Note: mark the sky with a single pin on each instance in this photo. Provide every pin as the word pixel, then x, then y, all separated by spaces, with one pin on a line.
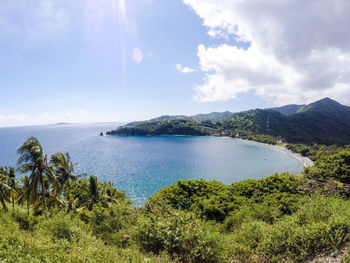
pixel 123 60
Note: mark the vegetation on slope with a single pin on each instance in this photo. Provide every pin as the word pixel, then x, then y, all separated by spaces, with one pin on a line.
pixel 288 109
pixel 172 127
pixel 52 214
pixel 325 121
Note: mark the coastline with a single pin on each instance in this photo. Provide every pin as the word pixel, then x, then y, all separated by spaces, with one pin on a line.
pixel 305 160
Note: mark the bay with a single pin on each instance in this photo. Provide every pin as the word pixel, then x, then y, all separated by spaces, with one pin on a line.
pixel 141 165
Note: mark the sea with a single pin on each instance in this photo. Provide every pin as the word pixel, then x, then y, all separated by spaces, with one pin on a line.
pixel 142 165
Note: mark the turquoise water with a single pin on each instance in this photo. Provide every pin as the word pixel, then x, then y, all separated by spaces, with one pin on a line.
pixel 141 165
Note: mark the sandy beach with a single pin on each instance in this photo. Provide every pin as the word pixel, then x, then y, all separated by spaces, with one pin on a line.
pixel 305 160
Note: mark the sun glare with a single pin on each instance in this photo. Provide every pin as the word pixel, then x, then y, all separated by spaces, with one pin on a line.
pixel 122 8
pixel 109 31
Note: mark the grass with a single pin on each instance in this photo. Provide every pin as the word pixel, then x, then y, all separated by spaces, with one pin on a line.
pixel 61 238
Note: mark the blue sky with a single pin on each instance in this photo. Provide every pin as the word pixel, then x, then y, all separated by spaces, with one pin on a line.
pixel 122 60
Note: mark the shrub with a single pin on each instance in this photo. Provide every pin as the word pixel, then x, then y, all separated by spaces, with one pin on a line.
pixel 288 240
pixel 321 225
pixel 248 213
pixel 215 201
pixel 336 166
pixel 180 234
pixel 243 243
pixel 114 225
pixel 62 227
pixel 25 221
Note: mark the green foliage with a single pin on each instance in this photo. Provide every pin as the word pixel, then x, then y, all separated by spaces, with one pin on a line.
pixel 4 189
pixel 64 168
pixel 243 244
pixel 324 121
pixel 336 166
pixel 61 239
pixel 61 227
pixel 316 151
pixel 215 201
pixel 346 258
pixel 304 150
pixel 250 213
pixel 170 127
pixel 320 225
pixel 33 160
pixel 180 234
pixel 25 221
pixel 85 193
pixel 114 225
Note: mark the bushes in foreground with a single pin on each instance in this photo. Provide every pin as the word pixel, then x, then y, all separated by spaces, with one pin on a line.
pixel 336 166
pixel 215 201
pixel 61 238
pixel 259 228
pixel 182 235
pixel 320 225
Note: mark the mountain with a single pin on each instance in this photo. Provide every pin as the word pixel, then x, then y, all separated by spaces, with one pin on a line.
pixel 213 116
pixel 326 105
pixel 288 109
pixel 324 121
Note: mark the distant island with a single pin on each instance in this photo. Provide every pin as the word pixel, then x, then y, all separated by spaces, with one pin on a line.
pixel 66 123
pixel 61 123
pixel 325 121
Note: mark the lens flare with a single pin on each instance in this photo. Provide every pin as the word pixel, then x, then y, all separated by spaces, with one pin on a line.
pixel 137 55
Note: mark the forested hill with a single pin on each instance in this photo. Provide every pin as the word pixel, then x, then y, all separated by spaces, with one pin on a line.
pixel 324 121
pixel 213 116
pixel 288 109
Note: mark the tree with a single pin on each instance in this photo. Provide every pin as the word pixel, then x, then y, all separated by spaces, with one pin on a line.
pixel 93 192
pixel 12 182
pixel 64 168
pixel 96 192
pixel 336 166
pixel 32 160
pixel 4 189
pixel 25 193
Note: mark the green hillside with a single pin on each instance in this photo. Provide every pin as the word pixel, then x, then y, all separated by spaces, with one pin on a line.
pixel 288 109
pixel 324 121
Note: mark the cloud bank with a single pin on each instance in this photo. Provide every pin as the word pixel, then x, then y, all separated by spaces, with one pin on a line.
pixel 298 51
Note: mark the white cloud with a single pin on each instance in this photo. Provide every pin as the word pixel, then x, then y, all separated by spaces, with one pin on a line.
pixel 32 20
pixel 182 69
pixel 299 50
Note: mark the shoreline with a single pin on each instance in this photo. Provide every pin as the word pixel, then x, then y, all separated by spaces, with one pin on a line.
pixel 307 162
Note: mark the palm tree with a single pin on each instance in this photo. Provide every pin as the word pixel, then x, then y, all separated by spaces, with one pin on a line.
pixel 103 193
pixel 64 168
pixel 25 193
pixel 110 194
pixel 4 189
pixel 12 182
pixel 93 192
pixel 33 160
